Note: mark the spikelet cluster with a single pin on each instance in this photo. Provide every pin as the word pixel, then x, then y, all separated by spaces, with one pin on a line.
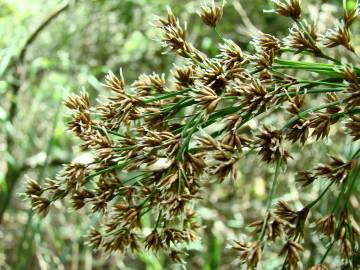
pixel 152 147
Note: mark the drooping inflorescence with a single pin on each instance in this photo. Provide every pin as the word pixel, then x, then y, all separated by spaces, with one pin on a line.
pixel 155 141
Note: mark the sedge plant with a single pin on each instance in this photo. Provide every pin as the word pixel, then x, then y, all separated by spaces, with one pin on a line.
pixel 157 140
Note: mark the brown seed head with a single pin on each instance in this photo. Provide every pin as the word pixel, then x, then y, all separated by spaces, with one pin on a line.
pixel 303 39
pixel 211 14
pixel 288 8
pixel 154 241
pixel 271 146
pixel 338 36
pixel 291 250
pixel 250 253
pixel 40 205
pixel 115 83
pixel 353 126
pixel 33 188
pixel 231 54
pixel 327 225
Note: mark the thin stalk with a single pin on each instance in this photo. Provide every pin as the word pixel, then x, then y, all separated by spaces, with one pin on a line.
pixel 158 220
pixel 217 32
pixel 321 83
pixel 351 186
pixel 111 168
pixel 310 205
pixel 167 95
pixel 270 198
pixel 311 91
pixel 327 251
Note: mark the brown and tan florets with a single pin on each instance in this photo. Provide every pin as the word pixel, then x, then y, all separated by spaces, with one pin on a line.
pixel 158 143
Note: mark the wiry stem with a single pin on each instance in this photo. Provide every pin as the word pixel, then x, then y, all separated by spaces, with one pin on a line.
pixel 270 198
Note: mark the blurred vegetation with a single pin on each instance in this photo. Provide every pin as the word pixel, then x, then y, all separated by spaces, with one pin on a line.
pixel 49 49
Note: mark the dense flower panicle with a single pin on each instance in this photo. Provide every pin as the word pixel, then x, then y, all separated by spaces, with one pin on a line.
pixel 264 60
pixel 207 98
pixel 78 102
pixel 157 142
pixel 94 238
pixel 214 75
pixel 299 131
pixel 40 205
pixel 174 35
pixel 284 212
pixel 145 84
pixel 353 88
pixel 33 188
pixel 346 237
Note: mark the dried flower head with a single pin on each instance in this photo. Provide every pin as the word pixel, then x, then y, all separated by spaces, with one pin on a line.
pixel 211 13
pixel 271 146
pixel 338 36
pixel 265 43
pixel 40 205
pixel 292 252
pixel 157 143
pixel 303 38
pixel 327 224
pixel 274 227
pixel 337 170
pixel 288 8
pixel 353 126
pixel 250 253
pixel 305 178
pixel 33 188
pixel 231 54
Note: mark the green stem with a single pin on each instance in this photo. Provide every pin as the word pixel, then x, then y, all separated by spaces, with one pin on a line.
pixel 218 34
pixel 158 220
pixel 111 168
pixel 327 251
pixel 321 83
pixel 311 91
pixel 351 186
pixel 167 95
pixel 270 198
pixel 320 196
